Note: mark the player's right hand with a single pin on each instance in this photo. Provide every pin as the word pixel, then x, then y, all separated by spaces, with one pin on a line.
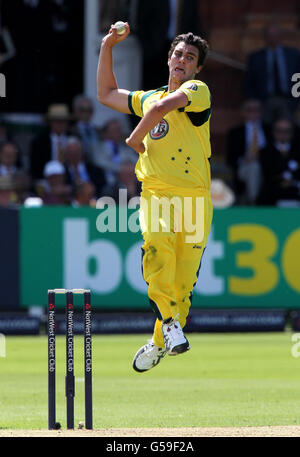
pixel 112 38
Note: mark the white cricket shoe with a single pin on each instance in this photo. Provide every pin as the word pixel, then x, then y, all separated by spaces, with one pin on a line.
pixel 147 357
pixel 175 341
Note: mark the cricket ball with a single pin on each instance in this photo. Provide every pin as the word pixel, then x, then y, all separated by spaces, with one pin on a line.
pixel 120 26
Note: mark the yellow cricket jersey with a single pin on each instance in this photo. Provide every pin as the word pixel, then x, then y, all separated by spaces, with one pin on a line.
pixel 178 148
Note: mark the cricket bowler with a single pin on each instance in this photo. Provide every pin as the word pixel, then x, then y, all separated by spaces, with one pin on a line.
pixel 173 143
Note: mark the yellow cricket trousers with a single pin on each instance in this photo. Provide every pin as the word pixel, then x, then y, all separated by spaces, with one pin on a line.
pixel 175 230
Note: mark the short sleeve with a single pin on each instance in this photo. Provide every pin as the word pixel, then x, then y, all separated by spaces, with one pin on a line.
pixel 135 102
pixel 198 96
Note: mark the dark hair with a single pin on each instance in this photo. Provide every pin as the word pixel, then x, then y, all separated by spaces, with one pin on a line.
pixel 190 38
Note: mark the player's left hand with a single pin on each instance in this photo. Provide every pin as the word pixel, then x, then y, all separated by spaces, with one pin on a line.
pixel 139 147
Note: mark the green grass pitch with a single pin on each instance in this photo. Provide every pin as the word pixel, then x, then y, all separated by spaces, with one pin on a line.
pixel 224 380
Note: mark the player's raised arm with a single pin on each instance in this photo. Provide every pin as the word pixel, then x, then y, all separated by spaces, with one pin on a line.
pixel 107 89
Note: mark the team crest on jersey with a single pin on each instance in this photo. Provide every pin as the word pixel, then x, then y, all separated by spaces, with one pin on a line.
pixel 160 130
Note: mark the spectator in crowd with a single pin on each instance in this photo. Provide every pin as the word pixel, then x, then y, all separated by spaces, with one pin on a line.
pixel 222 196
pixel 269 74
pixel 8 195
pixel 280 163
pixel 113 151
pixel 84 195
pixel 84 127
pixel 77 170
pixel 49 145
pixel 53 189
pixel 9 166
pixel 126 179
pixel 243 145
pixel 8 159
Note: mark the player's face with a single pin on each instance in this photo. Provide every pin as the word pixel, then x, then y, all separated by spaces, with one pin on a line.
pixel 183 64
pixel 9 155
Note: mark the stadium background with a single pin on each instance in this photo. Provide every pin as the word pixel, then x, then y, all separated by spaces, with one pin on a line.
pixel 250 273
